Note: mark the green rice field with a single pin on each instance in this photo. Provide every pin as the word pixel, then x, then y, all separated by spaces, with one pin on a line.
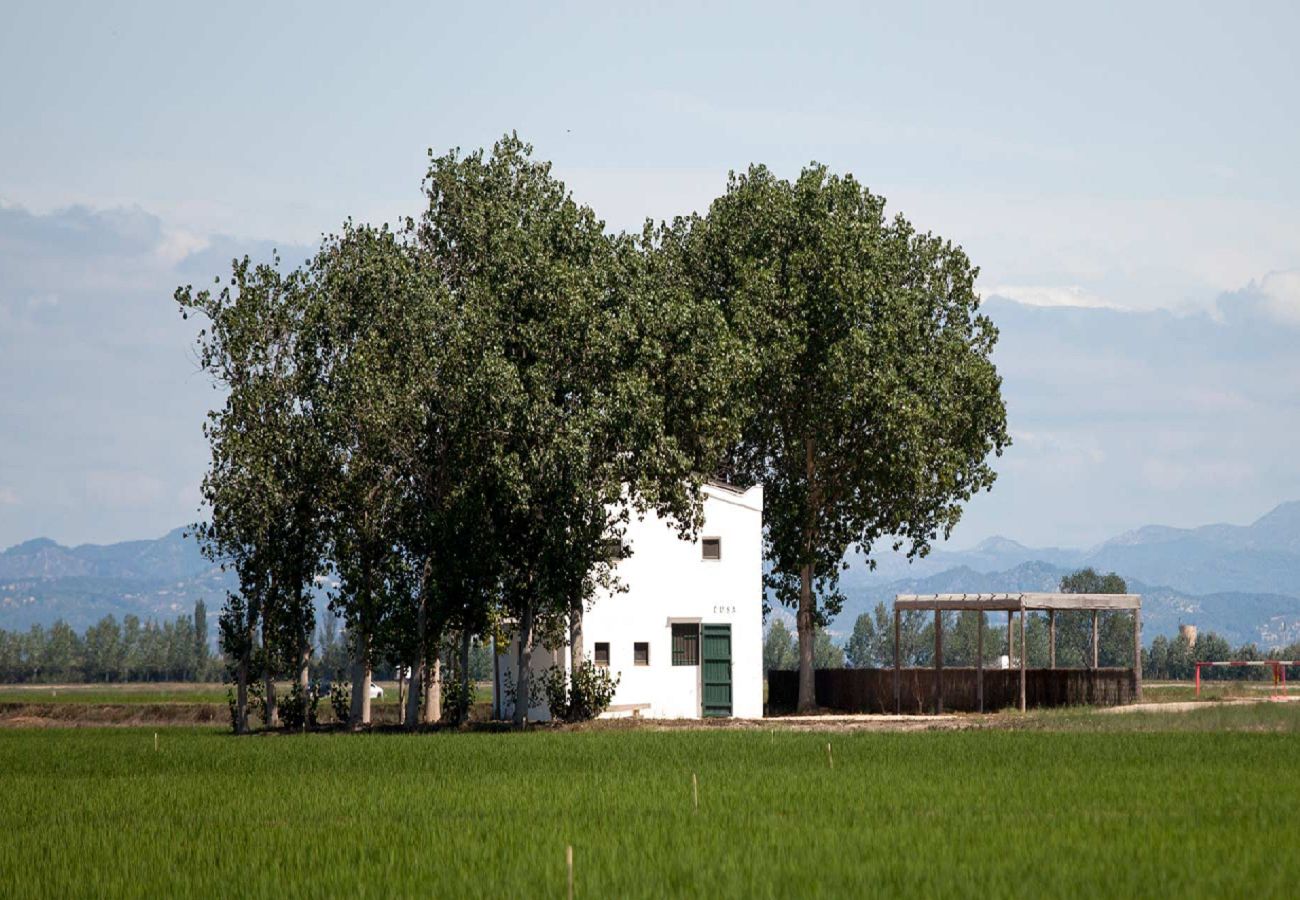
pixel 1076 804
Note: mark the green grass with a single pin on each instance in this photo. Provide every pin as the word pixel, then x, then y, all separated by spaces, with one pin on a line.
pixel 164 692
pixel 1057 811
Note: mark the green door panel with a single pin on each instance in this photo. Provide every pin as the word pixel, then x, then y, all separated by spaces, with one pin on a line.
pixel 715 661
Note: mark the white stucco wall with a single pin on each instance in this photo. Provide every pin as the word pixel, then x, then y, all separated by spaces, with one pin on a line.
pixel 667 581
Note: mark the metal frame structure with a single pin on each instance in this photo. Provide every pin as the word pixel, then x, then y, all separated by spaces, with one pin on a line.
pixel 1279 667
pixel 1011 603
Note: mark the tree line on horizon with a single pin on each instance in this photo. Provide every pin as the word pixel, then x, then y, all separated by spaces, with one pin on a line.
pixel 111 652
pixel 457 419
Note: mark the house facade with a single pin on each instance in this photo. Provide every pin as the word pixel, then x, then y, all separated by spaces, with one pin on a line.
pixel 685 638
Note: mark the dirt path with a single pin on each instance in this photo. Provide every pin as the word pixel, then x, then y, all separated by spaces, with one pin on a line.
pixel 1189 705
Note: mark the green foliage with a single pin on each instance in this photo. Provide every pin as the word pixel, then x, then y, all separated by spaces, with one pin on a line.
pixel 298 710
pixel 1088 581
pixel 870 401
pixel 457 697
pixel 1155 799
pixel 109 652
pixel 826 653
pixel 581 698
pixel 779 650
pixel 341 701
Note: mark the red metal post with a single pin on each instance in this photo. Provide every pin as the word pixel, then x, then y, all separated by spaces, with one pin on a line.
pixel 1198 681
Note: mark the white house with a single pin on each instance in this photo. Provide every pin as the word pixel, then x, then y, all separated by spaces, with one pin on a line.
pixel 686 637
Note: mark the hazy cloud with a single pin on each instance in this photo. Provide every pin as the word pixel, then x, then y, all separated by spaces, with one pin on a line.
pixel 103 402
pixel 1052 295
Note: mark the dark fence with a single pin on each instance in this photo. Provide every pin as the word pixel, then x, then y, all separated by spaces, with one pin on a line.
pixel 872 690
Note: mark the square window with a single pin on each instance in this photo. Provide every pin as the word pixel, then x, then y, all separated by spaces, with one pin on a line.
pixel 686 644
pixel 602 653
pixel 712 548
pixel 641 653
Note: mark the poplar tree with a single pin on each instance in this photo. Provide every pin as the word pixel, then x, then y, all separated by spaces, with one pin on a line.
pixel 595 418
pixel 872 405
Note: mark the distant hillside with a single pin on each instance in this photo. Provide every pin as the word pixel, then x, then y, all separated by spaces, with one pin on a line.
pixel 41 581
pixel 1263 557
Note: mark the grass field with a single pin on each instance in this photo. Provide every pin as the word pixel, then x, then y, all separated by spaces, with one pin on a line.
pixel 1071 804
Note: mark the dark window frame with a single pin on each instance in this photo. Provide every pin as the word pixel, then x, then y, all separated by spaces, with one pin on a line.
pixel 596 653
pixel 711 543
pixel 640 653
pixel 686 643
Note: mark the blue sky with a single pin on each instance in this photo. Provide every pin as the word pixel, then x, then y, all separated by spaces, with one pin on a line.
pixel 1124 177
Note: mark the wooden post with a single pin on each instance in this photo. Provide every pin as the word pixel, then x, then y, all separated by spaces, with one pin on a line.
pixel 1137 654
pixel 1010 647
pixel 898 664
pixel 1022 657
pixel 938 662
pixel 979 662
pixel 1051 639
pixel 1094 638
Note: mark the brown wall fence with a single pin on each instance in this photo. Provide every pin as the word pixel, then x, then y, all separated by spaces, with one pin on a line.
pixel 872 690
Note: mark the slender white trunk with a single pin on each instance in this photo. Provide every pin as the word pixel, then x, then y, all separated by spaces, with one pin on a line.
pixel 523 685
pixel 304 681
pixel 433 695
pixel 575 640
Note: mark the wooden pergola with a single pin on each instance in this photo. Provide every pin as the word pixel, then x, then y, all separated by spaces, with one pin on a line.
pixel 1010 604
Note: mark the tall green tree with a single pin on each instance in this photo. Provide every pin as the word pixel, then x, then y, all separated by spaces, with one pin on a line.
pixel 872 404
pixel 1074 628
pixel 367 291
pixel 595 414
pixel 263 485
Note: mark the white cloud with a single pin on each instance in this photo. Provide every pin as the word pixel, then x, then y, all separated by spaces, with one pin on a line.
pixel 1052 295
pixel 1281 295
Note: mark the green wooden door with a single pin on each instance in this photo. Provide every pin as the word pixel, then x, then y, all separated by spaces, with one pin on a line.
pixel 715 659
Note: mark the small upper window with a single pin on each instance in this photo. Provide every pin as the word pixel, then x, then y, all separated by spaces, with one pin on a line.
pixel 602 653
pixel 712 548
pixel 641 653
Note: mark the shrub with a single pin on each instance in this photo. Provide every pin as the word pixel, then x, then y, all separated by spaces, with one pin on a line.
pixel 457 698
pixel 298 710
pixel 341 701
pixel 583 697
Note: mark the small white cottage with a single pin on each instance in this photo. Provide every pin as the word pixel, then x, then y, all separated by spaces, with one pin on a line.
pixel 686 637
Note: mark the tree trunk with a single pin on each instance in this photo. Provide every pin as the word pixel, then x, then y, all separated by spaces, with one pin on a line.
pixel 433 695
pixel 806 618
pixel 271 714
pixel 420 676
pixel 241 701
pixel 576 656
pixel 464 674
pixel 805 621
pixel 304 681
pixel 523 683
pixel 360 711
pixel 401 695
pixel 268 687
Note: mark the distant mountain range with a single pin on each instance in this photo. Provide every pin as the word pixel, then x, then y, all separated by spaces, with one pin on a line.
pixel 41 581
pixel 1240 581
